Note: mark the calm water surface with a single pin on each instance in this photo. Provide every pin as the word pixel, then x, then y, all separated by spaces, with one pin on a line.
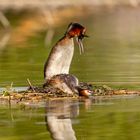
pixel 95 119
pixel 112 56
pixel 112 52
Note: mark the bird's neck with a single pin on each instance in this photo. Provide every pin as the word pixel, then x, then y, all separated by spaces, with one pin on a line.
pixel 60 58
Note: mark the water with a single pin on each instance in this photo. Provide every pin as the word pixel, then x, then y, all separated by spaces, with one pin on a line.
pixel 106 119
pixel 112 57
pixel 112 52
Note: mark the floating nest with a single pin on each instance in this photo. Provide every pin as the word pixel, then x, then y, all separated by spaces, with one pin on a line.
pixel 40 94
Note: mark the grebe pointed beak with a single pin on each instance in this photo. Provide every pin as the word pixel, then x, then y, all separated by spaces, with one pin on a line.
pixel 85 35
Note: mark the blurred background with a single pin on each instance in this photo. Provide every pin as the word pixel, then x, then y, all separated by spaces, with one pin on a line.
pixel 29 29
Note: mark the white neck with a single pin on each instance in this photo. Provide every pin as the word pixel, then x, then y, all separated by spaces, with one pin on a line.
pixel 59 60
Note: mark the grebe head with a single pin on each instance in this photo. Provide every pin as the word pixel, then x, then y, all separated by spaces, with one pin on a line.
pixel 85 92
pixel 78 31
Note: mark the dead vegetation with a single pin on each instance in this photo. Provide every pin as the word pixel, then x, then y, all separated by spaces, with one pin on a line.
pixel 35 95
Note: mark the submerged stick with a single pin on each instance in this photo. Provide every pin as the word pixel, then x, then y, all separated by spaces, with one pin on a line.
pixel 30 85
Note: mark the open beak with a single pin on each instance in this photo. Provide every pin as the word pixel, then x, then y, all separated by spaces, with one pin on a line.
pixel 80 43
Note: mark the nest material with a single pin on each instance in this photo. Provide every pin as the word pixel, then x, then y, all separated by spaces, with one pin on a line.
pixel 40 94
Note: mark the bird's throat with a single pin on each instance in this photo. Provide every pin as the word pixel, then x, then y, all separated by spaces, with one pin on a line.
pixel 60 58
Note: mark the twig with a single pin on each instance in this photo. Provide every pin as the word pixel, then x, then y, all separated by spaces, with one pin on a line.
pixel 9 101
pixel 6 35
pixel 11 86
pixel 30 85
pixel 5 22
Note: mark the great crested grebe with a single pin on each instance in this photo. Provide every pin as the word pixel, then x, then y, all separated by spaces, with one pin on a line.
pixel 56 69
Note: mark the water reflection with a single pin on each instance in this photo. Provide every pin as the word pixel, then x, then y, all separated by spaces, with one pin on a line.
pixel 96 118
pixel 58 118
pixel 4 38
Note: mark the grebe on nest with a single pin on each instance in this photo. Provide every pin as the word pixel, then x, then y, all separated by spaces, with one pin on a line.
pixel 56 69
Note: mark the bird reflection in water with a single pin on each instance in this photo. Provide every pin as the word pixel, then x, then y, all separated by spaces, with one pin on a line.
pixel 58 118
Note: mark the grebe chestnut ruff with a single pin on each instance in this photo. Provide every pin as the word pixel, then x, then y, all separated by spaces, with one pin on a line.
pixel 56 69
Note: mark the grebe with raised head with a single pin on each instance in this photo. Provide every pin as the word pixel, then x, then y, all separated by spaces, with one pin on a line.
pixel 56 69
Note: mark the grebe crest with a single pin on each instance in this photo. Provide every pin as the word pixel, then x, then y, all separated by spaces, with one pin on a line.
pixel 78 31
